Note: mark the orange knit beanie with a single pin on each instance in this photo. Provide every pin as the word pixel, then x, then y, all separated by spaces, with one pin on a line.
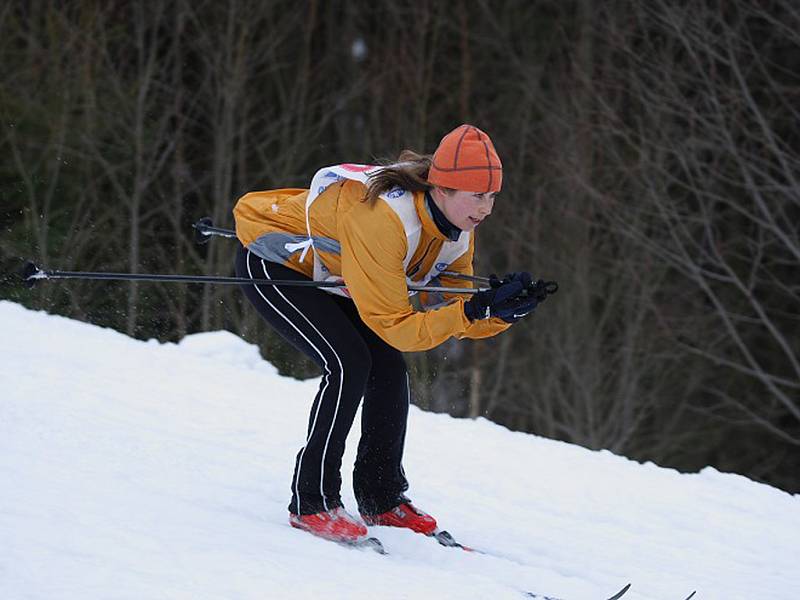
pixel 466 160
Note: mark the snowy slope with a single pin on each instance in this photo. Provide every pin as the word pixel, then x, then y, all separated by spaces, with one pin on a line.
pixel 141 470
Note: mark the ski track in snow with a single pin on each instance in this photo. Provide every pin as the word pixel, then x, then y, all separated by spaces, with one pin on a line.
pixel 138 470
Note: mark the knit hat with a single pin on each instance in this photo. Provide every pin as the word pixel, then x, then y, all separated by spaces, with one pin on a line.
pixel 466 160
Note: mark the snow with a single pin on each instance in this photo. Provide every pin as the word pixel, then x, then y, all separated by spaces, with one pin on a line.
pixel 133 470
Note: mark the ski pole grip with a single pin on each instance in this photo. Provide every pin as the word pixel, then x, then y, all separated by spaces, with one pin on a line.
pixel 541 289
pixel 31 274
pixel 201 234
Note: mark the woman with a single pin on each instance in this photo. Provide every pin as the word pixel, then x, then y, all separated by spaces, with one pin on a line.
pixel 377 229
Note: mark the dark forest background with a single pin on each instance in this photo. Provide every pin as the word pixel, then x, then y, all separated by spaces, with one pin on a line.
pixel 651 167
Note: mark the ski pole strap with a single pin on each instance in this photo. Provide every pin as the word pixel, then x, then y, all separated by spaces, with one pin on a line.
pixel 540 289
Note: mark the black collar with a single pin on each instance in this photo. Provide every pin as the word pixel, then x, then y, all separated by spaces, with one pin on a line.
pixel 450 231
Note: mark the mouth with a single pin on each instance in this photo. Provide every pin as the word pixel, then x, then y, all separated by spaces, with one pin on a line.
pixel 475 221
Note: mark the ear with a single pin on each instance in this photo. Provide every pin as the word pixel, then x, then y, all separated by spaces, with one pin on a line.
pixel 438 194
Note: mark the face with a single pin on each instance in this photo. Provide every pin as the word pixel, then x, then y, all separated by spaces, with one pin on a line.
pixel 465 210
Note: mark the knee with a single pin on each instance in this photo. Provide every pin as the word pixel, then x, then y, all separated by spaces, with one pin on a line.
pixel 353 364
pixel 389 366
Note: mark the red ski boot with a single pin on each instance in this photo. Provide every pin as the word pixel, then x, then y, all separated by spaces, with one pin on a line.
pixel 335 525
pixel 404 515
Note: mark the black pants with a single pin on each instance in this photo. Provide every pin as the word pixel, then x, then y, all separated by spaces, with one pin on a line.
pixel 356 363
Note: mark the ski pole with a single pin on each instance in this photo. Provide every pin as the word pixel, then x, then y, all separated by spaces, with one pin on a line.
pixel 31 274
pixel 204 229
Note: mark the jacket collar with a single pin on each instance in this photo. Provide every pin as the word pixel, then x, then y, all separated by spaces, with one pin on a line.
pixel 433 220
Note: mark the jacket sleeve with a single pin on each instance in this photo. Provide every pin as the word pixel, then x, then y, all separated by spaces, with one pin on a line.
pixel 373 247
pixel 477 329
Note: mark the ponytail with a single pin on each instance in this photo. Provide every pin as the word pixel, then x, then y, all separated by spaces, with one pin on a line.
pixel 409 172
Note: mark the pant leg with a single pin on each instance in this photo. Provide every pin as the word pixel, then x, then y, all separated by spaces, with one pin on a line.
pixel 314 323
pixel 378 478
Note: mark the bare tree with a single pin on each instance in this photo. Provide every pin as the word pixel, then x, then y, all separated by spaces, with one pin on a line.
pixel 718 192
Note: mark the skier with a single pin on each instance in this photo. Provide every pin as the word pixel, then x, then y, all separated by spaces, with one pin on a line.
pixel 377 229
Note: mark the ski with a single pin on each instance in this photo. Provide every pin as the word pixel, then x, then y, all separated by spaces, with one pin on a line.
pixel 446 539
pixel 616 596
pixel 370 543
pixel 365 543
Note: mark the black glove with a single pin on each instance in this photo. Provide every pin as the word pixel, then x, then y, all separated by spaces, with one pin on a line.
pixel 507 299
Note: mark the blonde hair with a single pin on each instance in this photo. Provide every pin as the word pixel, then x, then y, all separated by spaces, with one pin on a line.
pixel 409 172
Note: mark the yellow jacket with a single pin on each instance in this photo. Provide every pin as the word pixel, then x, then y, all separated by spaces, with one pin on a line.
pixel 366 245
